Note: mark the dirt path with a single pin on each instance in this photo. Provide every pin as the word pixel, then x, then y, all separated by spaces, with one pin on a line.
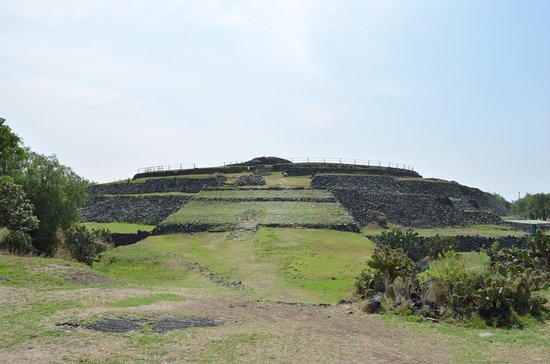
pixel 249 330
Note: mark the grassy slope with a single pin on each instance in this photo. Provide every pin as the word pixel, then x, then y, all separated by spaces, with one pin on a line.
pixel 46 273
pixel 276 179
pixel 118 227
pixel 221 213
pixel 233 194
pixel 288 264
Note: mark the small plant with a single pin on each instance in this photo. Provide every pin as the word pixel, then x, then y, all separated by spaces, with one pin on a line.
pixel 84 245
pixel 17 242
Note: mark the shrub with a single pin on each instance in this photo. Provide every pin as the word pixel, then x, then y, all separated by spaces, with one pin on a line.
pixel 391 263
pixel 407 240
pixel 17 242
pixel 518 260
pixel 84 245
pixel 436 245
pixel 500 297
pixel 385 265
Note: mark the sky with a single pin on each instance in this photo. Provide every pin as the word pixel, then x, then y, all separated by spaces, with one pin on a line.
pixel 459 89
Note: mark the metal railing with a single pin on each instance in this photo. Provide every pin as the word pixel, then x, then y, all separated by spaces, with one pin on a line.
pixel 171 167
pixel 353 161
pixel 231 163
pixel 361 162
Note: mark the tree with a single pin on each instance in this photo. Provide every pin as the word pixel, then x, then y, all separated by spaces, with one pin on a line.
pixel 12 154
pixel 537 205
pixel 16 211
pixel 56 192
pixel 502 201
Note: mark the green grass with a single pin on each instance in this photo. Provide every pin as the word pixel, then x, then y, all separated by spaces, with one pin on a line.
pixel 22 322
pixel 153 194
pixel 472 261
pixel 118 227
pixel 308 265
pixel 481 230
pixel 284 213
pixel 45 273
pixel 487 230
pixel 157 261
pixel 259 193
pixel 469 347
pixel 146 300
pixel 276 179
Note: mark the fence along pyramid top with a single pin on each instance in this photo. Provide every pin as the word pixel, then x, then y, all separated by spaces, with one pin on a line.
pixel 292 166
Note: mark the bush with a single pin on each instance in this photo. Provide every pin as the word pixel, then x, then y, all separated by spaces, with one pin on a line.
pixel 438 244
pixel 518 260
pixel 387 265
pixel 406 240
pixel 17 242
pixel 84 245
pixel 500 296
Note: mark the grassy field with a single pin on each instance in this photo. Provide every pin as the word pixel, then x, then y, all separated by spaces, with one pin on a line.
pixel 224 213
pixel 259 193
pixel 169 277
pixel 118 227
pixel 487 230
pixel 306 265
pixel 154 194
pixel 276 179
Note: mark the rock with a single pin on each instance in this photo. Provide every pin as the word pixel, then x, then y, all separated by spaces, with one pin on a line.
pixel 250 180
pixel 374 306
pixel 422 265
pixel 380 219
pixel 344 302
pixel 485 334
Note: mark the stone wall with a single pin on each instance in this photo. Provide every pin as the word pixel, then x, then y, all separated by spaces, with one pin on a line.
pixel 308 169
pixel 194 171
pixel 469 243
pixel 176 184
pixel 149 210
pixel 411 202
pixel 120 239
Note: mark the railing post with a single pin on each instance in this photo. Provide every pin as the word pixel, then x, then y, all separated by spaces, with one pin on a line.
pixel 308 159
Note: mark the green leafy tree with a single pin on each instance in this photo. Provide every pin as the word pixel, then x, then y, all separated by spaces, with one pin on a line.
pixel 502 201
pixel 12 154
pixel 56 192
pixel 537 205
pixel 16 211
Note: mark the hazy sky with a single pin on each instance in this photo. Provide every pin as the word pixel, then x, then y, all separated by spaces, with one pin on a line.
pixel 459 89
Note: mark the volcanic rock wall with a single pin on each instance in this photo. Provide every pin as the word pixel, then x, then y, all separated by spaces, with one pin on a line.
pixel 307 169
pixel 149 210
pixel 412 202
pixel 154 185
